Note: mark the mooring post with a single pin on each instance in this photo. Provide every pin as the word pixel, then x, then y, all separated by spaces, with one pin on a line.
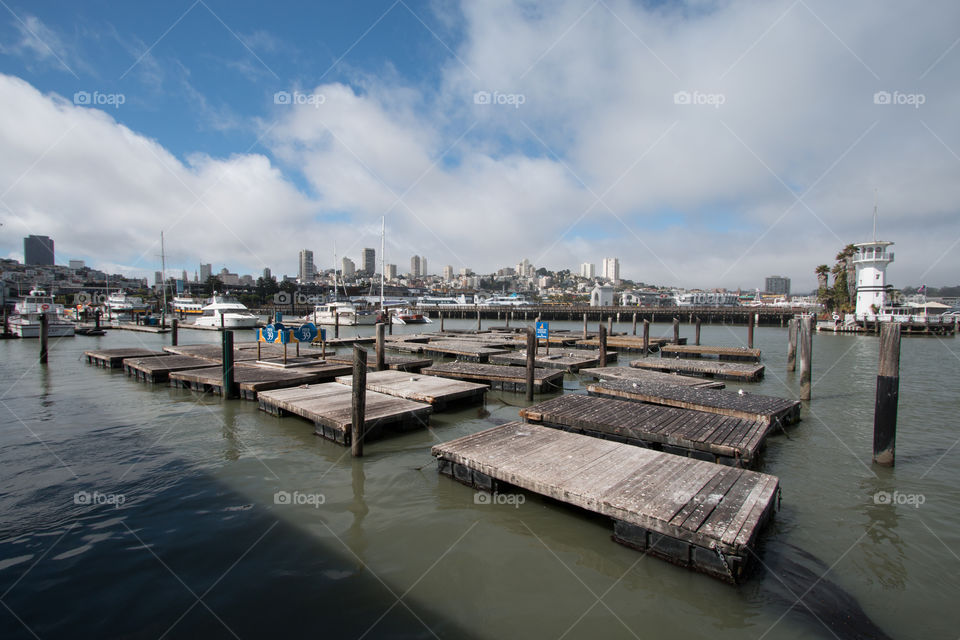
pixel 610 326
pixel 792 345
pixel 44 332
pixel 221 322
pixel 750 322
pixel 676 331
pixel 646 336
pixel 531 360
pixel 381 362
pixel 389 324
pixel 174 327
pixel 584 326
pixel 806 356
pixel 697 333
pixel 96 319
pixel 603 346
pixel 509 315
pixel 227 357
pixel 336 323
pixel 479 323
pixel 441 320
pixel 359 401
pixel 888 391
pixel 634 324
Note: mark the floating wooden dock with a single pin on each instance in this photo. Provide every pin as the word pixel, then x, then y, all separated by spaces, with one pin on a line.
pixel 695 434
pixel 242 351
pixel 499 376
pixel 328 406
pixel 699 351
pixel 692 513
pixel 393 362
pixel 628 343
pixel 743 372
pixel 750 406
pixel 630 373
pixel 113 358
pixel 251 379
pixel 571 360
pixel 435 391
pixel 159 368
pixel 464 350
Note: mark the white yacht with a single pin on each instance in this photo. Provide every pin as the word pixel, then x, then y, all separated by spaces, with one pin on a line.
pixel 228 312
pixel 25 323
pixel 512 300
pixel 346 314
pixel 119 302
pixel 187 305
pixel 438 301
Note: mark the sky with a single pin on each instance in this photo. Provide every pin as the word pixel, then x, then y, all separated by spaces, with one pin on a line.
pixel 704 144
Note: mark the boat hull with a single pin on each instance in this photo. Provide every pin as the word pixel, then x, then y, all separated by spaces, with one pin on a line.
pixel 32 329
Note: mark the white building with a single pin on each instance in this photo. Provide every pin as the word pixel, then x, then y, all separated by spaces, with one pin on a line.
pixel 588 270
pixel 448 273
pixel 601 296
pixel 347 267
pixel 391 272
pixel 415 269
pixel 870 261
pixel 611 270
pixel 423 266
pixel 525 269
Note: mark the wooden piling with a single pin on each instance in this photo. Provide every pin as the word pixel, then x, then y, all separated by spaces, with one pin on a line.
pixel 479 322
pixel 697 334
pixel 509 315
pixel 751 320
pixel 792 345
pixel 646 336
pixel 222 326
pixel 584 326
pixel 381 362
pixel 634 324
pixel 44 335
pixel 610 325
pixel 888 391
pixel 531 360
pixel 441 321
pixel 336 323
pixel 229 387
pixel 676 331
pixel 174 337
pixel 359 400
pixel 603 347
pixel 806 356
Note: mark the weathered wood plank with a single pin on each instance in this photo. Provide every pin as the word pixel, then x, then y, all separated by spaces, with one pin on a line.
pixel 698 351
pixel 633 373
pixel 113 358
pixel 434 390
pixel 741 372
pixel 499 376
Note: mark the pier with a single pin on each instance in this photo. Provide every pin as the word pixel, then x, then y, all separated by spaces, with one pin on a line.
pixel 693 513
pixel 497 376
pixel 741 372
pixel 749 406
pixel 695 434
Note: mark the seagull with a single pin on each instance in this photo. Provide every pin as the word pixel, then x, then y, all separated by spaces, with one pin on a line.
pixel 740 392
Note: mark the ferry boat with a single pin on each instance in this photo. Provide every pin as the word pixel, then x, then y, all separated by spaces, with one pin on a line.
pixel 408 316
pixel 512 300
pixel 25 323
pixel 187 305
pixel 346 314
pixel 228 312
pixel 438 301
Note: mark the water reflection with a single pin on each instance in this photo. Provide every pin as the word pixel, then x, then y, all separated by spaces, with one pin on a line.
pixel 356 538
pixel 884 555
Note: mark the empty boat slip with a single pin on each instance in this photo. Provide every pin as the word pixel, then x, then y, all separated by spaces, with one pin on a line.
pixel 705 436
pixel 696 514
pixel 328 406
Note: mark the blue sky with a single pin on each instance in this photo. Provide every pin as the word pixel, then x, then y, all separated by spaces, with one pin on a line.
pixel 706 144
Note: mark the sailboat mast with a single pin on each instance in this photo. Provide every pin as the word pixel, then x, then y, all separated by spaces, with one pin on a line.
pixel 163 274
pixel 875 215
pixel 383 259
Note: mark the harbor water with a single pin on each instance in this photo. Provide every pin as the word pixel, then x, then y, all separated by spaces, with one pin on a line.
pixel 142 511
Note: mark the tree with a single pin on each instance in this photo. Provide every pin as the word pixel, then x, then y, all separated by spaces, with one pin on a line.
pixel 212 285
pixel 823 276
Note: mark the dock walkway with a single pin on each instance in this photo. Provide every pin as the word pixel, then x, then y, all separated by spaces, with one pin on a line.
pixel 750 406
pixel 499 376
pixel 705 436
pixel 693 513
pixel 740 371
pixel 393 362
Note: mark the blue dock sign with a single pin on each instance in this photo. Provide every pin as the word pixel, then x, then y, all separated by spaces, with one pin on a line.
pixel 543 331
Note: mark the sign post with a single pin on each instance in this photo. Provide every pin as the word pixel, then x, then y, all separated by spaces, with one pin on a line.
pixel 543 333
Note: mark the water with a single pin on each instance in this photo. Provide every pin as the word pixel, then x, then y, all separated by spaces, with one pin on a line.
pixel 385 547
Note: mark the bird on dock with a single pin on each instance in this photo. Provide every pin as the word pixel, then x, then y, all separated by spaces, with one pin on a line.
pixel 741 392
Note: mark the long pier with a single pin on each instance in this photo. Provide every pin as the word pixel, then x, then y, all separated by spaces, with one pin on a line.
pixel 693 513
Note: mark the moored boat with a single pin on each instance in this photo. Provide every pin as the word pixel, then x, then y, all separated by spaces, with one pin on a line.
pixel 25 322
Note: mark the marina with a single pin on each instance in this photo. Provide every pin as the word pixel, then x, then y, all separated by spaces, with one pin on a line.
pixel 692 513
pixel 497 376
pixel 742 372
pixel 695 434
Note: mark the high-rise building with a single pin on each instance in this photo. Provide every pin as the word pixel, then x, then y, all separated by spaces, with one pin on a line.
pixel 588 270
pixel 415 267
pixel 267 274
pixel 183 275
pixel 448 273
pixel 391 272
pixel 37 250
pixel 157 278
pixel 368 262
pixel 423 266
pixel 307 271
pixel 525 269
pixel 347 268
pixel 206 270
pixel 611 270
pixel 778 285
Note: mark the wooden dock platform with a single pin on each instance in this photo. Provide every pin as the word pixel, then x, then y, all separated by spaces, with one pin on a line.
pixel 632 373
pixel 695 434
pixel 159 368
pixel 750 406
pixel 242 351
pixel 251 379
pixel 393 362
pixel 741 354
pixel 571 360
pixel 741 371
pixel 693 513
pixel 464 350
pixel 436 391
pixel 328 406
pixel 630 344
pixel 113 358
pixel 499 376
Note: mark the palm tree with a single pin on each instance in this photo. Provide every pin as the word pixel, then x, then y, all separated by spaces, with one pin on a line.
pixel 823 275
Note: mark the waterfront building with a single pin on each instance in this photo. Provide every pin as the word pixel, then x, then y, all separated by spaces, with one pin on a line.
pixel 588 270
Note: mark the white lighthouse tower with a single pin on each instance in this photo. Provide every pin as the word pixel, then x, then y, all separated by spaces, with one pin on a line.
pixel 870 261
